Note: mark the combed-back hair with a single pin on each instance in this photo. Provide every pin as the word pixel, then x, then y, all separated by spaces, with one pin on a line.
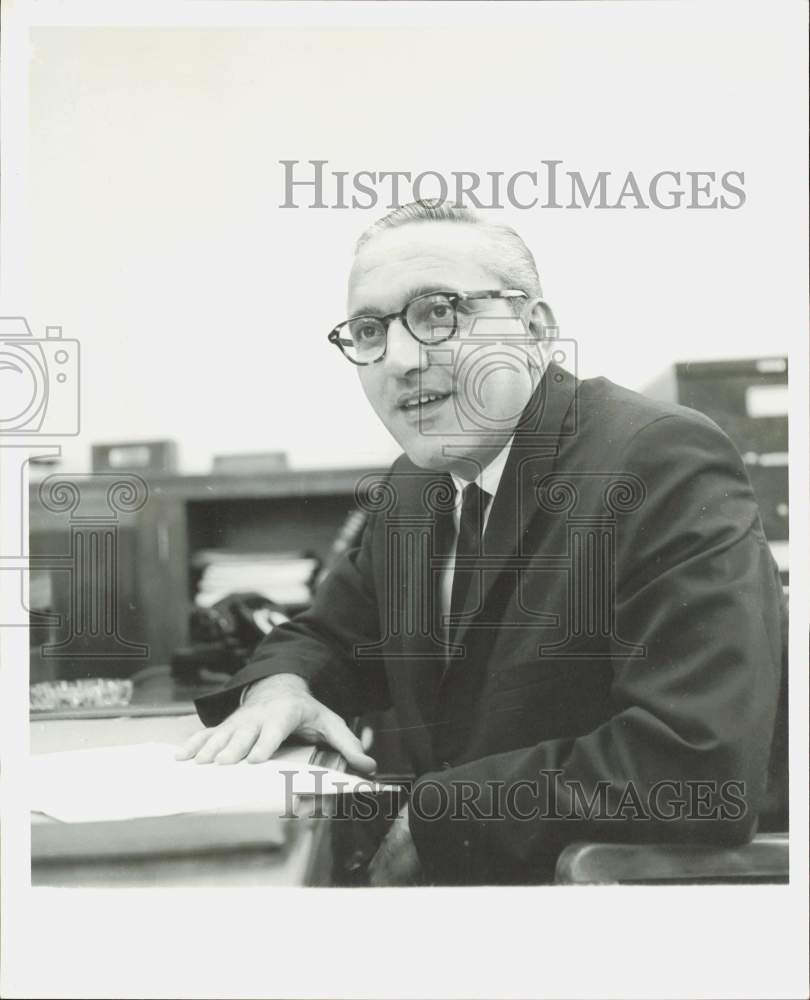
pixel 513 262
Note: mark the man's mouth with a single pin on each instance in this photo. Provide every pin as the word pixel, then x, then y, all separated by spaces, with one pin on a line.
pixel 422 403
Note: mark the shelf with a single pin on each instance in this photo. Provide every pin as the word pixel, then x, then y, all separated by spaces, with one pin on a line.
pixel 286 483
pixel 154 577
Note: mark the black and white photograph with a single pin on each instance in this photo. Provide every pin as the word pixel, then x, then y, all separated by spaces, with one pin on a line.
pixel 403 456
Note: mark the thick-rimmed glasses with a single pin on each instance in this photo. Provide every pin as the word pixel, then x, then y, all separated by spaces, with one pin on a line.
pixel 431 319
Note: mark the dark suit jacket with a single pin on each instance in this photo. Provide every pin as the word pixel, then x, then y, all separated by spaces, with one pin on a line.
pixel 620 657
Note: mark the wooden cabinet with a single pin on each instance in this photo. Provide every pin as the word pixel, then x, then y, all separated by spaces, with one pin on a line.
pixel 112 555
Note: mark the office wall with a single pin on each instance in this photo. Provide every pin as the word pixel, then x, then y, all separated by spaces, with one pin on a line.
pixel 202 307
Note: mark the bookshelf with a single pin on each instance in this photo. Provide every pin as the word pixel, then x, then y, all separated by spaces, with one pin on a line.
pixel 150 552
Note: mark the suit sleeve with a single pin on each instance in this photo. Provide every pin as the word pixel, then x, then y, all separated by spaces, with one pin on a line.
pixel 684 755
pixel 319 645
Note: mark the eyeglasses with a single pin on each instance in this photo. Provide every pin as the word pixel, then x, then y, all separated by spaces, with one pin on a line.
pixel 431 319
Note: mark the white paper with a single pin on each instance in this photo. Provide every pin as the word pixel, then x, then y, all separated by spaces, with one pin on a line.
pixel 766 400
pixel 124 782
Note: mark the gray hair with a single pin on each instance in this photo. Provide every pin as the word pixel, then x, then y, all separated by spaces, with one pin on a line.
pixel 513 264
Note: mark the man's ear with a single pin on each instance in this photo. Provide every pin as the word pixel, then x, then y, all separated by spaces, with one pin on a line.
pixel 540 320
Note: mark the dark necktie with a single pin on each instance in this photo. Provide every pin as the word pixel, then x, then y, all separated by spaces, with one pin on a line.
pixel 471 523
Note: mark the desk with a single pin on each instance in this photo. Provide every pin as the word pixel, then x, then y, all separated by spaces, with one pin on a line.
pixel 199 849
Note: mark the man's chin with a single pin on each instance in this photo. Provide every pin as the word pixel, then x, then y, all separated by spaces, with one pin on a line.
pixel 453 456
pixel 431 460
pixel 440 456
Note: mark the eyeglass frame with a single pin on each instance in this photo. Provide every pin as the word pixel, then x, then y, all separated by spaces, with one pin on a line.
pixel 453 297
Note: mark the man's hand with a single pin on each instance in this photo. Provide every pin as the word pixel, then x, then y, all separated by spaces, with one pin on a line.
pixel 273 709
pixel 396 861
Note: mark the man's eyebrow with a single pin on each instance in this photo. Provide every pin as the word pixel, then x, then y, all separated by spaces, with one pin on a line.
pixel 412 293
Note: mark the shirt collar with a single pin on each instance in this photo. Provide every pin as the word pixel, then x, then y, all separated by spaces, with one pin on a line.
pixel 489 477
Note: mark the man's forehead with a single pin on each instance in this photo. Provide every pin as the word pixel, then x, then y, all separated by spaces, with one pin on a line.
pixel 418 257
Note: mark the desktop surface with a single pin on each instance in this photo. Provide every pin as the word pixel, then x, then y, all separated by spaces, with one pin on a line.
pixel 194 849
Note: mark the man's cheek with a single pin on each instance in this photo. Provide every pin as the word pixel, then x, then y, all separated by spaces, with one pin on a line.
pixel 373 392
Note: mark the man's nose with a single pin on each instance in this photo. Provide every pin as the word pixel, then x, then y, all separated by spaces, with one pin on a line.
pixel 403 353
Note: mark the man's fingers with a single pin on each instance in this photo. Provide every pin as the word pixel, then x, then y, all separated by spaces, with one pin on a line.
pixel 367 738
pixel 271 737
pixel 215 742
pixel 338 735
pixel 258 740
pixel 238 745
pixel 192 744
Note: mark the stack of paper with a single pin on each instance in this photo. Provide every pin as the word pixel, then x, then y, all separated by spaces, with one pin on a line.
pixel 281 578
pixel 127 782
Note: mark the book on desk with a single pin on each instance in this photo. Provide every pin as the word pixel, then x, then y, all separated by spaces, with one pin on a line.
pixel 245 845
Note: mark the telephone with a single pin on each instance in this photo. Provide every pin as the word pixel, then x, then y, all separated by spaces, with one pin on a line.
pixel 224 635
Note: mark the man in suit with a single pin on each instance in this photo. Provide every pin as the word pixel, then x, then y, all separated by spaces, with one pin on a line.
pixel 563 588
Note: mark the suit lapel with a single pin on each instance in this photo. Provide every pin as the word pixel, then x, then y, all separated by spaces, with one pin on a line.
pixel 417 539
